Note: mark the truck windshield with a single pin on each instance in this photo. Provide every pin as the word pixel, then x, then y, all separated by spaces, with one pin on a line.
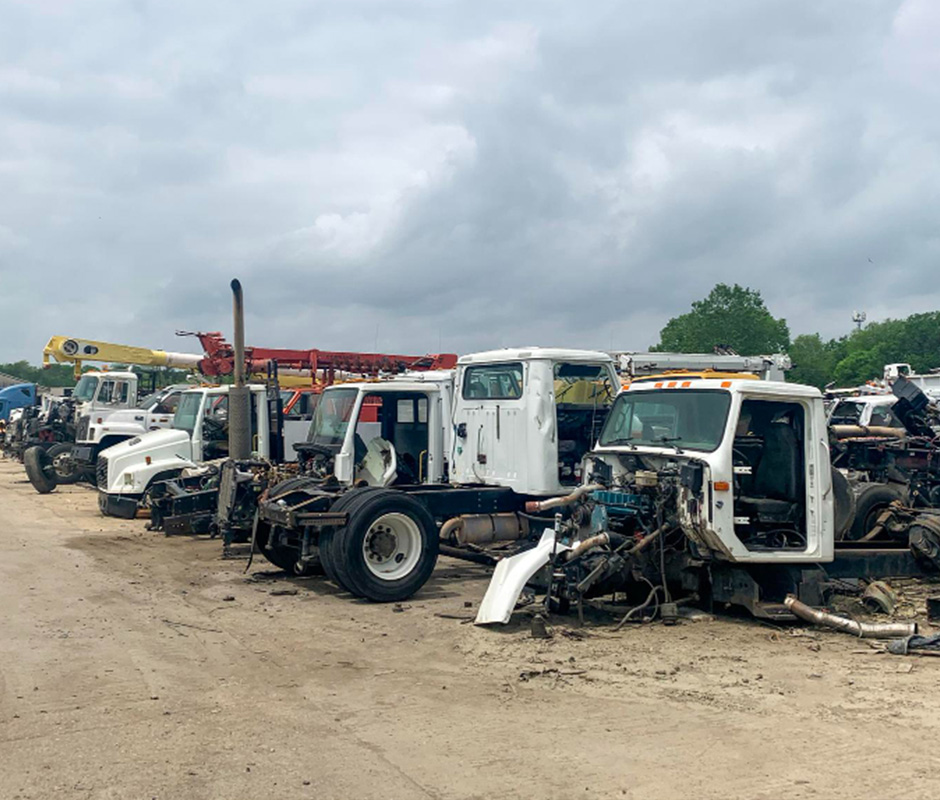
pixel 332 416
pixel 188 410
pixel 85 388
pixel 692 419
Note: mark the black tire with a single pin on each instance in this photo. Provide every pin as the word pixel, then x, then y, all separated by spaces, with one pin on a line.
pixel 331 547
pixel 872 499
pixel 39 470
pixel 388 519
pixel 284 558
pixel 844 508
pixel 63 477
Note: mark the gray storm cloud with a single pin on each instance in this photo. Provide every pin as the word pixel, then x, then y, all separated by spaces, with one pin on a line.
pixel 426 175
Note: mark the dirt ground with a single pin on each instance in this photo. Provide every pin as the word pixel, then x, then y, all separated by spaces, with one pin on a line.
pixel 138 666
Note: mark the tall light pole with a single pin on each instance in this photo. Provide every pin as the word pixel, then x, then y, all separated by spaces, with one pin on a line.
pixel 859 317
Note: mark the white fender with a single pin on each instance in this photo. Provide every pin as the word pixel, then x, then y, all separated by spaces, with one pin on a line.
pixel 510 577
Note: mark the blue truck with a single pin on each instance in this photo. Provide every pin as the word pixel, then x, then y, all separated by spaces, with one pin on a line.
pixel 16 396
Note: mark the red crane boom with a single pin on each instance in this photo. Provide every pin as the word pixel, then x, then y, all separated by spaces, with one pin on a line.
pixel 323 364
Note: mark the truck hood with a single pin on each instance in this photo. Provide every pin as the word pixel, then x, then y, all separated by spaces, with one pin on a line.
pixel 156 444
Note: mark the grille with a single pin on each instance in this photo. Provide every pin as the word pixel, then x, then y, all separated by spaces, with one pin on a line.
pixel 101 472
pixel 82 434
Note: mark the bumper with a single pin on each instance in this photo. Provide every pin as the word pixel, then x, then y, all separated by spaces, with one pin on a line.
pixel 118 505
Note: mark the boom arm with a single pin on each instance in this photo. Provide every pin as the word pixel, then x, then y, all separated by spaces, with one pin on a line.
pixel 69 350
pixel 220 360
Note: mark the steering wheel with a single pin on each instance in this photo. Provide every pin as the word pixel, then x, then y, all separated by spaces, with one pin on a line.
pixel 213 428
pixel 738 459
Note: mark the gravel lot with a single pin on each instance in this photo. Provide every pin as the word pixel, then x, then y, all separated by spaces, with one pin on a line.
pixel 138 666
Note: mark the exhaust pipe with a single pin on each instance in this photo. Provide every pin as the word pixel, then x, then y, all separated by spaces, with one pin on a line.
pixel 864 630
pixel 239 405
pixel 534 506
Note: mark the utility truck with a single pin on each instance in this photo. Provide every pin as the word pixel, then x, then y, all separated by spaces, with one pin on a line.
pixel 718 491
pixel 198 433
pixel 451 459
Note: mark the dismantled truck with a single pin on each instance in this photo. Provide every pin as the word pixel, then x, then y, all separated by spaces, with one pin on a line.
pixel 719 491
pixel 198 433
pixel 447 465
pixel 105 411
pixel 888 464
pixel 188 503
pixel 106 407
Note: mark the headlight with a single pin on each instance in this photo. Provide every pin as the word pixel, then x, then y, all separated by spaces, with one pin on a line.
pixel 128 479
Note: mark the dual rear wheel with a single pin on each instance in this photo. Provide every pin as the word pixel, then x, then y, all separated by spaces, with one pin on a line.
pixel 387 549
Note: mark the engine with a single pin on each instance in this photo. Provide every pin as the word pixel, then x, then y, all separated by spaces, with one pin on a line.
pixel 628 533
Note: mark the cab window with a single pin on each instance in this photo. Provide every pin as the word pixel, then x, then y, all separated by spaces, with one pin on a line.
pixel 493 382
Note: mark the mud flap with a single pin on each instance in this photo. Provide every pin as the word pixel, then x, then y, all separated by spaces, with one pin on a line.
pixel 510 577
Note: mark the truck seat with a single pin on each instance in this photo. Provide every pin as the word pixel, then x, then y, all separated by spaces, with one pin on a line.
pixel 777 485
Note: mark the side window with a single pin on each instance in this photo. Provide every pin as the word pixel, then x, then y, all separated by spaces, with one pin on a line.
pixel 406 411
pixel 106 393
pixel 220 407
pixel 583 385
pixel 168 405
pixel 423 410
pixel 493 382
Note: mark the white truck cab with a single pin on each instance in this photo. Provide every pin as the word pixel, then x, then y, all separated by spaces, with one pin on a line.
pixel 198 433
pixel 520 419
pixel 747 463
pixel 113 412
pixel 524 417
pixel 383 432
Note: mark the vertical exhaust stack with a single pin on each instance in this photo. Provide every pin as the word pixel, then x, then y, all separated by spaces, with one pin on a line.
pixel 239 406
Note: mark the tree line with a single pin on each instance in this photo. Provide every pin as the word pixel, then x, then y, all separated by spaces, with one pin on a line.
pixel 63 375
pixel 736 317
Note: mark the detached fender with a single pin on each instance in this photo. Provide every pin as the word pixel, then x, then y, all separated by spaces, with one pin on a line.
pixel 510 577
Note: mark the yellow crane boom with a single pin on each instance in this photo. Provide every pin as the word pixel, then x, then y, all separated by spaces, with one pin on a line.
pixel 69 350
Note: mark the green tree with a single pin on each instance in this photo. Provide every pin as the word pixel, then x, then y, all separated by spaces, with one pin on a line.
pixel 733 316
pixel 55 375
pixel 863 354
pixel 813 360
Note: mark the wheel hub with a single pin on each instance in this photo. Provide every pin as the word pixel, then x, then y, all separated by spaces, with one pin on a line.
pixel 381 543
pixel 63 464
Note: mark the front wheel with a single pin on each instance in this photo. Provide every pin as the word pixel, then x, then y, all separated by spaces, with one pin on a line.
pixel 388 548
pixel 39 469
pixel 63 465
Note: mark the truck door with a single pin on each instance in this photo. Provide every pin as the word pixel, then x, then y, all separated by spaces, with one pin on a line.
pixel 780 477
pixel 490 423
pixel 392 438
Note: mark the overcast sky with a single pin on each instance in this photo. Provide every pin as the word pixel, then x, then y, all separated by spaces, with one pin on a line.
pixel 432 175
